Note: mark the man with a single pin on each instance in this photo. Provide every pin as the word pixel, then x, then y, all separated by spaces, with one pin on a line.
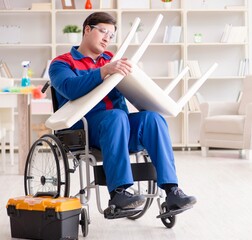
pixel 111 128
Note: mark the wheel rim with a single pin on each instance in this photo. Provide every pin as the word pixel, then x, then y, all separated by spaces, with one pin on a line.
pixel 42 172
pixel 63 164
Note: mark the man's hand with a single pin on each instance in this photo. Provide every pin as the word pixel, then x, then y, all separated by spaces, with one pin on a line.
pixel 122 66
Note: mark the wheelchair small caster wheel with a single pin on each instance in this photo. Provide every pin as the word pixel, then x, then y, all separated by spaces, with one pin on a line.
pixel 168 221
pixel 84 222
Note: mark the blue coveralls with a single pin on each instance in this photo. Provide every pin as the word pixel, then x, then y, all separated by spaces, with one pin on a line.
pixel 111 127
pixel 116 133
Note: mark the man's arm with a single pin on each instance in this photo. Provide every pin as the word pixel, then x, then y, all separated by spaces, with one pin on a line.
pixel 71 85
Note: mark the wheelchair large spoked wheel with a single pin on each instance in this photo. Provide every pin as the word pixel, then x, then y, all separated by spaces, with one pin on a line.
pixel 145 187
pixel 46 168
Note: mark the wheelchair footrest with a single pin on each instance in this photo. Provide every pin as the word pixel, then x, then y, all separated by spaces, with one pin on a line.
pixel 112 212
pixel 173 212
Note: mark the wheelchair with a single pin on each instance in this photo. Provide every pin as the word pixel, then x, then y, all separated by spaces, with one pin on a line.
pixel 54 157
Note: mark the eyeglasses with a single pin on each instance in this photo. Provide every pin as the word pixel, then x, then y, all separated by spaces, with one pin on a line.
pixel 104 31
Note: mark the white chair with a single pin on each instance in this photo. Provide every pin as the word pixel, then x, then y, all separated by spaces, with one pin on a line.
pixel 137 87
pixel 228 124
pixel 7 125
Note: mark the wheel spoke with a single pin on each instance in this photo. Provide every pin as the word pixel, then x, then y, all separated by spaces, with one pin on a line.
pixel 47 167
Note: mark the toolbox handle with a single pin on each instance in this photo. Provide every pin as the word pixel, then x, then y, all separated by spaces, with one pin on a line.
pixel 47 194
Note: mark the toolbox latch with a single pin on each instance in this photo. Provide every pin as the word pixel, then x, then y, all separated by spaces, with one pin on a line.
pixel 50 213
pixel 12 211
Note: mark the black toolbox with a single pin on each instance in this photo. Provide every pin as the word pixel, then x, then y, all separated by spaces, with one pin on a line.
pixel 44 217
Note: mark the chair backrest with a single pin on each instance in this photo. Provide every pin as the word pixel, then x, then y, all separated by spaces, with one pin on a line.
pixel 246 95
pixel 53 94
pixel 54 100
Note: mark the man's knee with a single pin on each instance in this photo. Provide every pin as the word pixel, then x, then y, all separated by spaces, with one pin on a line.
pixel 154 117
pixel 116 117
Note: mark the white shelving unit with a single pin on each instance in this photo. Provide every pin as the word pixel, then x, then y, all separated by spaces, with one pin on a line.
pixel 209 18
pixel 42 39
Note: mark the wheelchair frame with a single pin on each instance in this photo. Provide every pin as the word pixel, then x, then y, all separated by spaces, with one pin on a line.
pixel 56 150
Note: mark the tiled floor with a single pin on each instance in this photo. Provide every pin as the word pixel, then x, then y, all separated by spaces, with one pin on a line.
pixel 222 184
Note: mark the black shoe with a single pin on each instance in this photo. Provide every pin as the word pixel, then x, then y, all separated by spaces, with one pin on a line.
pixel 125 200
pixel 177 199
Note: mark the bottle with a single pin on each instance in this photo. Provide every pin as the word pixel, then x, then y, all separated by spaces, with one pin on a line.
pixel 88 4
pixel 25 78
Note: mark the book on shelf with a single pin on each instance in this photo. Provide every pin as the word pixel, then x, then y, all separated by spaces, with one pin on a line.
pixel 4 70
pixel 234 34
pixel 199 97
pixel 194 104
pixel 174 68
pixel 239 96
pixel 172 34
pixel 5 4
pixel 194 67
pixel 181 65
pixel 243 67
pixel 41 6
pixel 191 106
pixel 225 33
pixel 106 4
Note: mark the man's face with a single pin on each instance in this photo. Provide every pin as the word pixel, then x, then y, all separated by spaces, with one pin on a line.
pixel 99 36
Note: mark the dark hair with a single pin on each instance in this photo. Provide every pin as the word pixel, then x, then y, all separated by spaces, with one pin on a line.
pixel 98 17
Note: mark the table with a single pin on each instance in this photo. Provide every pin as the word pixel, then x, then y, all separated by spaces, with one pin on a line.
pixel 20 101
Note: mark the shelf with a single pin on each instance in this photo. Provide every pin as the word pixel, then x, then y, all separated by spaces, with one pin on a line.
pixel 63 11
pixel 216 44
pixel 157 10
pixel 26 45
pixel 48 41
pixel 11 11
pixel 216 10
pixel 220 77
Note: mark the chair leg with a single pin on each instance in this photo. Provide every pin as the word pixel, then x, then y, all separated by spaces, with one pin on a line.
pixel 204 151
pixel 242 153
pixel 248 154
pixel 3 152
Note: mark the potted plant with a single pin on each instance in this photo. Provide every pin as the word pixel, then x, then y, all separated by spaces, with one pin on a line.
pixel 167 3
pixel 72 32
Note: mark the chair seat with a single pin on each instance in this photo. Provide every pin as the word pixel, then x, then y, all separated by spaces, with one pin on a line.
pixel 232 124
